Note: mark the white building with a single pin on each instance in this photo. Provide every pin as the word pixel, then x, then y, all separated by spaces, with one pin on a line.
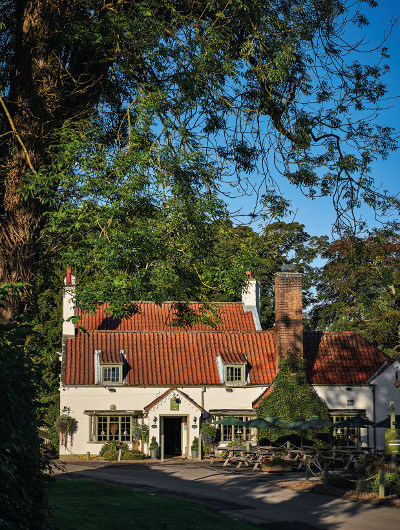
pixel 142 370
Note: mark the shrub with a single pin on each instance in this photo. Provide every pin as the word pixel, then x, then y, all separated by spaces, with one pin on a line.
pixel 392 483
pixel 195 444
pixel 112 446
pixel 133 455
pixel 276 461
pixel 236 443
pixel 153 444
pixel 22 480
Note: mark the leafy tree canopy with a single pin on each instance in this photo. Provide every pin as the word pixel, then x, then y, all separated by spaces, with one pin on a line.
pixel 239 248
pixel 359 288
pixel 123 125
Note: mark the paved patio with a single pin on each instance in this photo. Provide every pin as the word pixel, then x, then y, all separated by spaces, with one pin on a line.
pixel 240 494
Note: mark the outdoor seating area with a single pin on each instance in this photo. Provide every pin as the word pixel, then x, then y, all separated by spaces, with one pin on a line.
pixel 290 457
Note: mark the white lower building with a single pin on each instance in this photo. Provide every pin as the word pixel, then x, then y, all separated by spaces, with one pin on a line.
pixel 142 370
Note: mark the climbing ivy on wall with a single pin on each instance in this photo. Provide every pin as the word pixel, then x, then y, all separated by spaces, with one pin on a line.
pixel 293 398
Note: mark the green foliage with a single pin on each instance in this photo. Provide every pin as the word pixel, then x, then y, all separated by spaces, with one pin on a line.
pixel 236 443
pixel 22 480
pixel 153 444
pixel 195 444
pixel 208 434
pixel 238 249
pixel 140 432
pixel 292 398
pixel 134 155
pixel 112 446
pixel 276 461
pixel 110 451
pixel 133 454
pixel 392 483
pixel 359 288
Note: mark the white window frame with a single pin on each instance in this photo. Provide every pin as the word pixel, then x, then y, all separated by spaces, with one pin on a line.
pixel 100 427
pixel 344 432
pixel 236 432
pixel 235 366
pixel 107 366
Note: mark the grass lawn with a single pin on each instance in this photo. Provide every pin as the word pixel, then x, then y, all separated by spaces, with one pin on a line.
pixel 79 504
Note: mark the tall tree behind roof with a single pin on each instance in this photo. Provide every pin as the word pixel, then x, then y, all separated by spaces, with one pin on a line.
pixel 359 288
pixel 121 123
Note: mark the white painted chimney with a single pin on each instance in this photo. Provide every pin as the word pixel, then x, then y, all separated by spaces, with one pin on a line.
pixel 68 330
pixel 251 299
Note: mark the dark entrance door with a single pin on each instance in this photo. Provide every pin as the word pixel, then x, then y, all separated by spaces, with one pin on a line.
pixel 172 437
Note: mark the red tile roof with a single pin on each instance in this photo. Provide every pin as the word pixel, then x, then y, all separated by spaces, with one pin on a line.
pixel 169 358
pixel 341 358
pixel 111 357
pixel 161 357
pixel 153 317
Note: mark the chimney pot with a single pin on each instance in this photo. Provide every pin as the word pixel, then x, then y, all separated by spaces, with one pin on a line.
pixel 68 278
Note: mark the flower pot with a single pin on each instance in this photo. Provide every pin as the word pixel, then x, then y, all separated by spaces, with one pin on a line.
pixel 195 453
pixel 154 453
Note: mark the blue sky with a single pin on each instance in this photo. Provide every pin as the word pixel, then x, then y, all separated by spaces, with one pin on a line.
pixel 318 215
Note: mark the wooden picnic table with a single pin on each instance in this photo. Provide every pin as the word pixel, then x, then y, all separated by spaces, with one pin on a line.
pixel 299 457
pixel 248 457
pixel 347 456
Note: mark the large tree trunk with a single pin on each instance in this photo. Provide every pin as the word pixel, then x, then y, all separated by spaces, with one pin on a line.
pixel 42 94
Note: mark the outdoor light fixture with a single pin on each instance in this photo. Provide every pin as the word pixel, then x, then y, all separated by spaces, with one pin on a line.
pixel 155 419
pixel 195 419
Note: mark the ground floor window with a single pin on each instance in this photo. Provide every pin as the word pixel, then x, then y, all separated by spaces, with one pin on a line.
pixel 345 434
pixel 227 433
pixel 107 427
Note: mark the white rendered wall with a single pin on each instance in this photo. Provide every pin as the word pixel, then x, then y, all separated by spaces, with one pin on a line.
pixel 385 392
pixel 336 397
pixel 80 398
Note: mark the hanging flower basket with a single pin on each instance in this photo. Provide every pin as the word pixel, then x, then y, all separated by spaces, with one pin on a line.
pixel 64 425
pixel 140 432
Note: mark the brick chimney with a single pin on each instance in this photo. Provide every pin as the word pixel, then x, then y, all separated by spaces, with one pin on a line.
pixel 288 312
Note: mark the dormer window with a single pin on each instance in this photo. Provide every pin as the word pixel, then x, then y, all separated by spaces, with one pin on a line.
pixel 111 374
pixel 235 374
